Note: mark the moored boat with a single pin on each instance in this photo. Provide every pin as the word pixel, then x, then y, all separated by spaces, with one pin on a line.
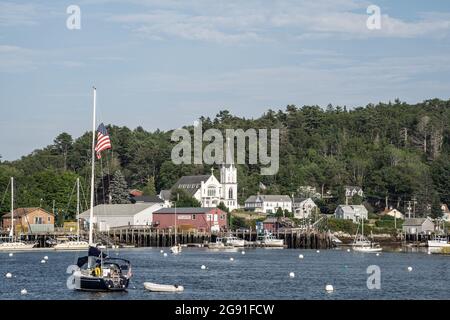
pixel 154 287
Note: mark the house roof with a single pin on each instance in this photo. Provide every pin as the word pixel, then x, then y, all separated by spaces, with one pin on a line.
pixel 414 222
pixel 386 211
pixel 270 198
pixel 190 183
pixel 165 194
pixel 353 209
pixel 271 220
pixel 147 199
pixel 20 212
pixel 110 210
pixel 184 210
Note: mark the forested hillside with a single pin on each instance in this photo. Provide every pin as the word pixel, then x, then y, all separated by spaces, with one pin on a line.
pixel 396 150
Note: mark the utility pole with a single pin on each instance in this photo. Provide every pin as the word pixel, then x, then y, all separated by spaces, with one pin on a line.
pixel 414 206
pixel 409 209
pixel 387 203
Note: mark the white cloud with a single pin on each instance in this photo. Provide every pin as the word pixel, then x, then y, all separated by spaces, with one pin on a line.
pixel 14 14
pixel 238 21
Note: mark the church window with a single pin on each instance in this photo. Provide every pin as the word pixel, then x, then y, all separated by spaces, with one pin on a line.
pixel 230 193
pixel 211 191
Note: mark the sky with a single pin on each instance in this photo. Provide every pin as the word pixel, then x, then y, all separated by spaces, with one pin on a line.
pixel 164 63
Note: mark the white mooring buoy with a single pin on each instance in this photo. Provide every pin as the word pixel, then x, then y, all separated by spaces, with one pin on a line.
pixel 409 269
pixel 162 251
pixel 203 267
pixel 318 251
pixel 329 288
pixel 243 252
pixel 11 254
pixel 429 252
pixel 42 261
pixel 23 291
pixel 231 259
pixel 46 258
pixel 8 275
pixel 348 250
pixel 300 256
pixel 377 254
pixel 165 254
pixel 292 275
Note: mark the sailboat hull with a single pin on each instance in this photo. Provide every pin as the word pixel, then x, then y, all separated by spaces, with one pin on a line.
pixel 88 283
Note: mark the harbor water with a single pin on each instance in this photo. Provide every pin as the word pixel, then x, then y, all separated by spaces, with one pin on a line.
pixel 258 274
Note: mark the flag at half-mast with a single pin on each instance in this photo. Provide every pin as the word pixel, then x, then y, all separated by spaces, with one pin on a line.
pixel 103 141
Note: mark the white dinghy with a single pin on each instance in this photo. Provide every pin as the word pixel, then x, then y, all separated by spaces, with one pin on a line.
pixel 154 287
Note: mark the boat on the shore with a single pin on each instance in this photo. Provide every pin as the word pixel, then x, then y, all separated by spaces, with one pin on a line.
pixel 233 241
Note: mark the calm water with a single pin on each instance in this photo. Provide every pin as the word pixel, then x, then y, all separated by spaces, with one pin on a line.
pixel 259 274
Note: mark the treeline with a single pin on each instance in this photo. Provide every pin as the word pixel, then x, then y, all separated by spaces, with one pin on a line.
pixel 394 150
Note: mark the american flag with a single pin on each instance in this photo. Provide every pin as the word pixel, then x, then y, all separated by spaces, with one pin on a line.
pixel 103 142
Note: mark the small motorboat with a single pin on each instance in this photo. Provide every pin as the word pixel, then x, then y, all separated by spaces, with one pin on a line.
pixel 233 241
pixel 175 249
pixel 154 287
pixel 438 242
pixel 269 241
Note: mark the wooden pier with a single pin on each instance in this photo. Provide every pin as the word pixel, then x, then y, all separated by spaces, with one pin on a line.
pixel 146 237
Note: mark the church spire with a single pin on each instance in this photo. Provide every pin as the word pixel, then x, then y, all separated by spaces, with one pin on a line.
pixel 229 153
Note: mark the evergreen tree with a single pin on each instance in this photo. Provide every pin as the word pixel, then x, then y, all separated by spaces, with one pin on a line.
pixel 118 189
pixel 182 199
pixel 149 189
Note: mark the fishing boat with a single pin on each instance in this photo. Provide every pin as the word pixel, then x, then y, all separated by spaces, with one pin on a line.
pixel 154 287
pixel 13 244
pixel 177 247
pixel 97 271
pixel 438 242
pixel 67 243
pixel 269 240
pixel 233 241
pixel 362 244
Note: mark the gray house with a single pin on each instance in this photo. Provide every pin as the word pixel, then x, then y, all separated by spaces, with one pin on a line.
pixel 354 213
pixel 418 226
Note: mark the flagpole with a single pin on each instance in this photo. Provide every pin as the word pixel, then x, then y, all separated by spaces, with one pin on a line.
pixel 91 213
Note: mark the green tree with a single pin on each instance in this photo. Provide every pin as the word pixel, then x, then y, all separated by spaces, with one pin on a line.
pixel 118 189
pixel 183 199
pixel 279 213
pixel 149 189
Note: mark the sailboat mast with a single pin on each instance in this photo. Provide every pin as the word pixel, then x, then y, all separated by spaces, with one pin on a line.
pixel 176 221
pixel 12 209
pixel 78 209
pixel 362 226
pixel 91 212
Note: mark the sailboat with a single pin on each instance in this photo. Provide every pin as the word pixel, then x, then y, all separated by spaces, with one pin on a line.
pixel 177 247
pixel 362 244
pixel 74 244
pixel 13 244
pixel 97 271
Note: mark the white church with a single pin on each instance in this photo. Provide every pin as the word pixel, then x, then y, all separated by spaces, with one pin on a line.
pixel 207 189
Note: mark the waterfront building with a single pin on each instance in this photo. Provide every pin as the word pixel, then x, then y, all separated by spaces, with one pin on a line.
pixel 419 226
pixel 268 204
pixel 30 220
pixel 351 212
pixel 107 216
pixel 201 219
pixel 445 213
pixel 303 207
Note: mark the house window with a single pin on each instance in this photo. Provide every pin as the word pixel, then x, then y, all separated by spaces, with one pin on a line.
pixel 48 219
pixel 222 217
pixel 193 217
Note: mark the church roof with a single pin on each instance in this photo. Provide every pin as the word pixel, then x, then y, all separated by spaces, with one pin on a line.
pixel 191 183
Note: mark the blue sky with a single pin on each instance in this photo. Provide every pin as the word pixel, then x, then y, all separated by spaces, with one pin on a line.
pixel 163 63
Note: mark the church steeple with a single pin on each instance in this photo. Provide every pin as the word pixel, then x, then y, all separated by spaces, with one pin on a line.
pixel 228 177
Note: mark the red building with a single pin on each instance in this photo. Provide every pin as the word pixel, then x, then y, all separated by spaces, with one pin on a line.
pixel 201 219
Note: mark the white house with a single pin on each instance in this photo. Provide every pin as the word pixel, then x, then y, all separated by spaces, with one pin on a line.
pixel 108 216
pixel 303 207
pixel 393 213
pixel 351 191
pixel 352 212
pixel 445 213
pixel 207 189
pixel 268 203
